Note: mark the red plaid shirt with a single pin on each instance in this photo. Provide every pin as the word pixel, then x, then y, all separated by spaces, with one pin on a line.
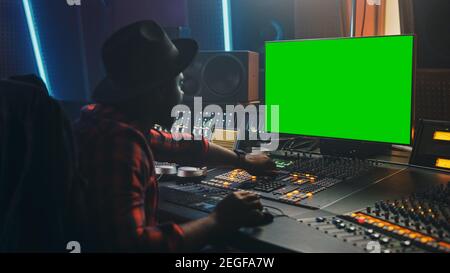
pixel 117 159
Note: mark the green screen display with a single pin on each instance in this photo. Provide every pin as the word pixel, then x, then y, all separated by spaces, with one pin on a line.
pixel 345 88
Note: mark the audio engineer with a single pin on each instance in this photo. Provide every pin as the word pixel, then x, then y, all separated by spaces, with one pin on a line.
pixel 118 148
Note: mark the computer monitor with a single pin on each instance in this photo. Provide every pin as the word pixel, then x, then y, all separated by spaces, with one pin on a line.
pixel 342 88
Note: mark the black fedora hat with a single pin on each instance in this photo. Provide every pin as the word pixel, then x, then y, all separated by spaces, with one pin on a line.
pixel 140 57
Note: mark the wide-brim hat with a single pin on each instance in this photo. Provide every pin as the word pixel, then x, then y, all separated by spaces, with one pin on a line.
pixel 140 57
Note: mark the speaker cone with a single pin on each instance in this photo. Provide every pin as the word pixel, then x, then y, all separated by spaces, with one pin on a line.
pixel 223 75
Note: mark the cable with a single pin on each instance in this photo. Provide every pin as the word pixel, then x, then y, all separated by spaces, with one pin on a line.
pixel 307 145
pixel 282 214
pixel 159 177
pixel 287 141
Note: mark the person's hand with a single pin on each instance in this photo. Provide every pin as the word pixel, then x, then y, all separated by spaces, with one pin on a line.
pixel 259 164
pixel 239 209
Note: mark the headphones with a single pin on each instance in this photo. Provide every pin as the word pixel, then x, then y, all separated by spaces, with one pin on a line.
pixel 170 172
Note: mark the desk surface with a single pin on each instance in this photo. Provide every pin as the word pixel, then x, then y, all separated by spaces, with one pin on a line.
pixel 287 234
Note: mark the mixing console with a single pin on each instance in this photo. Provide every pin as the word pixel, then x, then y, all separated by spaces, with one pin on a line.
pixel 299 178
pixel 195 196
pixel 418 223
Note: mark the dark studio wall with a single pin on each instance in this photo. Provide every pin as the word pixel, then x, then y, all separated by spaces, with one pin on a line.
pixel 71 38
pixel 205 21
pixel 16 52
pixel 61 42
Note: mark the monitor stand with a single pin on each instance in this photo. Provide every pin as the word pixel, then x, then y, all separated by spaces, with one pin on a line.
pixel 358 149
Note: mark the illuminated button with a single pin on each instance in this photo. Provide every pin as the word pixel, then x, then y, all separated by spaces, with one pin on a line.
pixel 390 228
pixel 361 220
pixel 309 194
pixel 413 236
pixel 295 192
pixel 380 225
pixel 425 240
pixel 441 135
pixel 443 163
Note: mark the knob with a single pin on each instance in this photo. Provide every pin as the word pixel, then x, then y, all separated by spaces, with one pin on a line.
pixel 377 205
pixel 369 231
pixel 351 229
pixel 320 219
pixel 385 240
pixel 428 220
pixel 406 243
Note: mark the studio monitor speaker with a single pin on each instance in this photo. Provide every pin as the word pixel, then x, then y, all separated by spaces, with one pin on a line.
pixel 223 77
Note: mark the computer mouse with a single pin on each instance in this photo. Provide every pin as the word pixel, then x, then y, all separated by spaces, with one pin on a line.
pixel 267 217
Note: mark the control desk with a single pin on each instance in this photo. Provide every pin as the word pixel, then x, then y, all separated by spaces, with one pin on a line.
pixel 328 204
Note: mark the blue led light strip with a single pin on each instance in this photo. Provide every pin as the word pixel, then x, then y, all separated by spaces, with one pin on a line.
pixel 227 36
pixel 35 41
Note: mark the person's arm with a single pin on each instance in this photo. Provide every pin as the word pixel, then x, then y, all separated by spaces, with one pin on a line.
pixel 256 164
pixel 192 152
pixel 236 210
